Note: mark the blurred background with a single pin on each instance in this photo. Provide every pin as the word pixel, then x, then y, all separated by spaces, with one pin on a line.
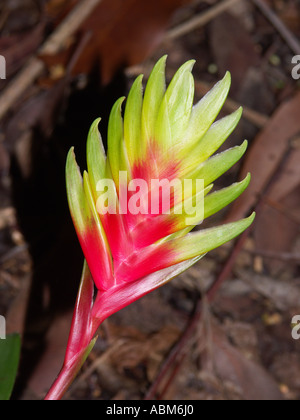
pixel 222 330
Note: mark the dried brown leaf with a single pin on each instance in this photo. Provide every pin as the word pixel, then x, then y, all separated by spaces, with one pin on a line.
pixel 275 231
pixel 124 33
pixel 266 153
pixel 231 52
pixel 253 381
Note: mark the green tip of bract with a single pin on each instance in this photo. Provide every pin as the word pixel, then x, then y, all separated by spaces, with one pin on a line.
pixel 220 199
pixel 205 112
pixel 201 242
pixel 132 120
pixel 154 94
pixel 176 106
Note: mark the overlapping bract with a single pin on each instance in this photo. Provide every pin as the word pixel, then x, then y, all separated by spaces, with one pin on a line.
pixel 162 136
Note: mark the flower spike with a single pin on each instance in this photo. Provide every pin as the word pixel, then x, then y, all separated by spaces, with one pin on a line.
pixel 134 208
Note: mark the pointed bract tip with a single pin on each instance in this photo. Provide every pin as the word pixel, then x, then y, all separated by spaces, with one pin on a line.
pixel 244 145
pixel 239 112
pixel 71 163
pixel 251 218
pixel 227 77
pixel 139 80
pixel 71 152
pixel 96 123
pixel 187 67
pixel 224 84
pixel 161 61
pixel 247 178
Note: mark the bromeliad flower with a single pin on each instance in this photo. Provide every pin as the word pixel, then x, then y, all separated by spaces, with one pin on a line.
pixel 135 207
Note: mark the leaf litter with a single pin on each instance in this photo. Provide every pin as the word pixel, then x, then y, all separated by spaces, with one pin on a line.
pixel 242 346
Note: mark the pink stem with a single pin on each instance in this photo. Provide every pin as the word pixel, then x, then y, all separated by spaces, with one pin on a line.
pixel 69 372
pixel 62 383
